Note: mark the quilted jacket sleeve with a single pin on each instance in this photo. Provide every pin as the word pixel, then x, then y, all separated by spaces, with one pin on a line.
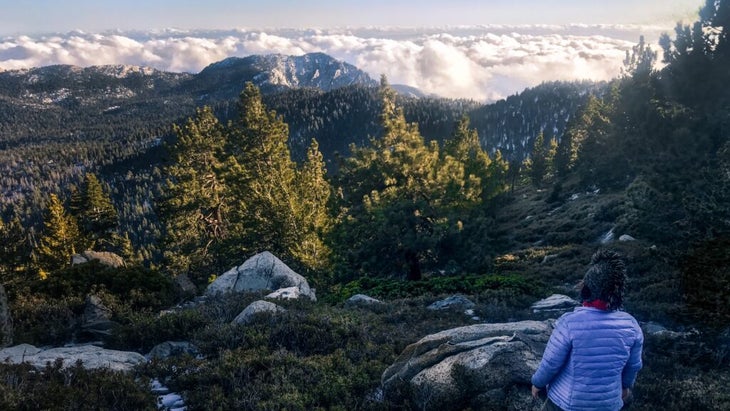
pixel 555 356
pixel 633 365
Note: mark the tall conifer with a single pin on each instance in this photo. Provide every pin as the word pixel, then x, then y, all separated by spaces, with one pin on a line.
pixel 60 239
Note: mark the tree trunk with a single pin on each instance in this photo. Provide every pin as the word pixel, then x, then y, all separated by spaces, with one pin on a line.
pixel 414 267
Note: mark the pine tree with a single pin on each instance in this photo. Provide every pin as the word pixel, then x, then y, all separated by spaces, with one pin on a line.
pixel 392 191
pixel 93 209
pixel 538 160
pixel 465 150
pixel 234 190
pixel 312 210
pixel 14 252
pixel 263 174
pixel 60 239
pixel 195 203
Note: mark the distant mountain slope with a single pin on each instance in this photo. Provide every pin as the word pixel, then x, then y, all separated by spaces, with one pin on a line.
pixel 276 73
pixel 511 125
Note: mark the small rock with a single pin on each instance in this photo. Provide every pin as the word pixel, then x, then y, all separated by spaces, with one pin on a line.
pixel 455 301
pixel 556 302
pixel 168 400
pixel 169 349
pixel 657 330
pixel 257 307
pixel 626 237
pixel 157 388
pixel 361 300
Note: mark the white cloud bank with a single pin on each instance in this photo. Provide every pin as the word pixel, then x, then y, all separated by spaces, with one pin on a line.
pixel 482 63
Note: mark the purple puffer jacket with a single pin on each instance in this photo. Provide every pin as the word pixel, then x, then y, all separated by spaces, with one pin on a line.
pixel 592 354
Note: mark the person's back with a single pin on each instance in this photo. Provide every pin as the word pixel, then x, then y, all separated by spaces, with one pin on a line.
pixel 594 353
pixel 588 362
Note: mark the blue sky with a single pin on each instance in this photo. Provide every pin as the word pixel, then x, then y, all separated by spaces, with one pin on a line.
pixel 43 16
pixel 478 49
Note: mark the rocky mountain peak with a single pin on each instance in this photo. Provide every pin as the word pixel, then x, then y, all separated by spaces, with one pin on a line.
pixel 276 72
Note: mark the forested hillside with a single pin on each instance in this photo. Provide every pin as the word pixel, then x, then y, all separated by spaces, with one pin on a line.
pixel 58 123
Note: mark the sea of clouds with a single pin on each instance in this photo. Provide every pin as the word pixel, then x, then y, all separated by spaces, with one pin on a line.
pixel 483 63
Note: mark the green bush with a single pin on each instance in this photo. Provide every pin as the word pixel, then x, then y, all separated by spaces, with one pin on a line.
pixel 681 374
pixel 145 329
pixel 49 312
pixel 138 287
pixel 465 284
pixel 71 388
pixel 45 321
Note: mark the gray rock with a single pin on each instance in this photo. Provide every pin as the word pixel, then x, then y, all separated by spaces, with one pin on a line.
pixel 157 388
pixel 184 285
pixel 261 272
pixel 169 401
pixel 103 257
pixel 91 357
pixel 555 303
pixel 455 301
pixel 626 237
pixel 77 259
pixel 361 300
pixel 6 321
pixel 657 330
pixel 652 327
pixel 257 307
pixel 470 367
pixel 97 318
pixel 169 349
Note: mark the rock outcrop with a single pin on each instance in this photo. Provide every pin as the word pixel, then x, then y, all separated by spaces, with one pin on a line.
pixel 483 366
pixel 261 272
pixel 103 257
pixel 91 357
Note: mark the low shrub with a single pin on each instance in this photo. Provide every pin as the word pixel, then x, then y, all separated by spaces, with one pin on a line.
pixel 681 374
pixel 145 329
pixel 45 321
pixel 49 311
pixel 436 285
pixel 139 287
pixel 56 387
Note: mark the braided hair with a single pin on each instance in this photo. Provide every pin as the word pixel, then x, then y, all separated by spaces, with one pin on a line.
pixel 605 279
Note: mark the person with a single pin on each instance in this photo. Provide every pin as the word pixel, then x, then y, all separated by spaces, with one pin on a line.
pixel 594 353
